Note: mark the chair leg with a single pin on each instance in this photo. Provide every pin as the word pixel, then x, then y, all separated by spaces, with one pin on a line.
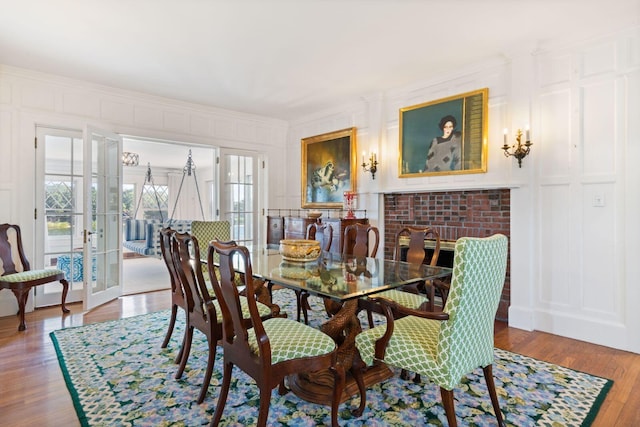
pixel 304 305
pixel 298 304
pixel 172 322
pixel 447 401
pixel 370 318
pixel 186 349
pixel 65 291
pixel 181 351
pixel 21 296
pixel 357 373
pixel 209 371
pixel 488 377
pixel 265 402
pixel 404 375
pixel 338 386
pixel 224 392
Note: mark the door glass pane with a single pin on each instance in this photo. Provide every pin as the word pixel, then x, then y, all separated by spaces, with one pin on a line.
pixel 239 191
pixel 62 213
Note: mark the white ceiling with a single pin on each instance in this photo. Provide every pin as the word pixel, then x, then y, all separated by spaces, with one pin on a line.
pixel 285 59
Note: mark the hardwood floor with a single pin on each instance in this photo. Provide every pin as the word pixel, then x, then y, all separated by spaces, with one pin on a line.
pixel 33 392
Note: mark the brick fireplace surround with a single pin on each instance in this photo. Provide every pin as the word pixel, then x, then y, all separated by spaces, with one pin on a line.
pixel 475 213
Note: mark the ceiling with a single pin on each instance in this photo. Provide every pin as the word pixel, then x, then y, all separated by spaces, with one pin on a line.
pixel 286 59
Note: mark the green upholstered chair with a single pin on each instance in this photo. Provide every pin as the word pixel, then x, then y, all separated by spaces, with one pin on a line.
pixel 17 275
pixel 445 346
pixel 272 349
pixel 206 231
pixel 203 310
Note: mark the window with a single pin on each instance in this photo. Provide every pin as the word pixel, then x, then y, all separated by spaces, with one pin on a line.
pixel 155 204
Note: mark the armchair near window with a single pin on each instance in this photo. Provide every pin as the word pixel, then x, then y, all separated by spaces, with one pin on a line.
pixel 16 274
pixel 445 346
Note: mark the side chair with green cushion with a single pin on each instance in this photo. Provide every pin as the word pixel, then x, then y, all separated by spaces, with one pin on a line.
pixel 272 349
pixel 205 232
pixel 178 298
pixel 16 273
pixel 445 346
pixel 419 295
pixel 416 296
pixel 203 310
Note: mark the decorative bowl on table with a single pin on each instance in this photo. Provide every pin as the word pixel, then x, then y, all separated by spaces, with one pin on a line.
pixel 314 214
pixel 299 250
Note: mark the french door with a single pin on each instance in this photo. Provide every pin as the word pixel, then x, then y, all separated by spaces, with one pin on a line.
pixel 78 216
pixel 102 234
pixel 239 194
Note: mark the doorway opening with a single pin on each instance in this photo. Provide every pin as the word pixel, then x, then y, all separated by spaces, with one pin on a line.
pixel 156 191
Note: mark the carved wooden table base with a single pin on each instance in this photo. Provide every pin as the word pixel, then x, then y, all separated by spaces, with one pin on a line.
pixel 343 326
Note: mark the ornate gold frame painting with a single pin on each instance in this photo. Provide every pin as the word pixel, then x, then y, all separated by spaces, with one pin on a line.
pixel 328 168
pixel 446 136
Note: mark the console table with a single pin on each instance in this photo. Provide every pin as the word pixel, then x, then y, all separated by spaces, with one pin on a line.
pixel 292 224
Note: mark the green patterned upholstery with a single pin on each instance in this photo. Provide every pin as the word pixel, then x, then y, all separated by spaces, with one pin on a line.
pixel 447 350
pixel 263 310
pixel 206 231
pixel 27 276
pixel 406 299
pixel 293 340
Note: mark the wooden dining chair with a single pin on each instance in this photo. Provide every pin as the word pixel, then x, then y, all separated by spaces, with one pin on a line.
pixel 178 298
pixel 16 273
pixel 445 346
pixel 272 349
pixel 418 295
pixel 360 240
pixel 203 310
pixel 323 233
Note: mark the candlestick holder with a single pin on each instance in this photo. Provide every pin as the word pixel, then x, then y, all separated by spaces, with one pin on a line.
pixel 518 150
pixel 372 166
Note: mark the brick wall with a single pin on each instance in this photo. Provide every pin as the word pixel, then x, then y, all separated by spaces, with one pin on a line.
pixel 454 214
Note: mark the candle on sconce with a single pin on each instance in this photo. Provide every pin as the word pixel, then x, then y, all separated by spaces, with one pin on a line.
pixel 505 136
pixel 527 134
pixel 373 157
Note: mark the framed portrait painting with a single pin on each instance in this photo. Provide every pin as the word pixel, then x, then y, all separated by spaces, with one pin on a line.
pixel 446 136
pixel 328 168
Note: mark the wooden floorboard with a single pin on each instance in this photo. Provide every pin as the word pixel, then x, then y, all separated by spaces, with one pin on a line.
pixel 33 392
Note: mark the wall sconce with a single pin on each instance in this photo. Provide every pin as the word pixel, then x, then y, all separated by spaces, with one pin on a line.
pixel 519 150
pixel 372 166
pixel 130 159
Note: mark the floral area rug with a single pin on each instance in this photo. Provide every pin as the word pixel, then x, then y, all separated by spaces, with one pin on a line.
pixel 118 375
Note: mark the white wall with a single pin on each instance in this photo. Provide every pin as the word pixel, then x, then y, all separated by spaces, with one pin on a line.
pixel 573 266
pixel 28 98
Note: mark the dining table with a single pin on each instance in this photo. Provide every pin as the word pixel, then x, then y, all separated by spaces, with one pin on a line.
pixel 341 281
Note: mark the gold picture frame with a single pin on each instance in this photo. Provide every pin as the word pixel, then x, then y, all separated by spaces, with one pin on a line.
pixel 446 136
pixel 328 168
